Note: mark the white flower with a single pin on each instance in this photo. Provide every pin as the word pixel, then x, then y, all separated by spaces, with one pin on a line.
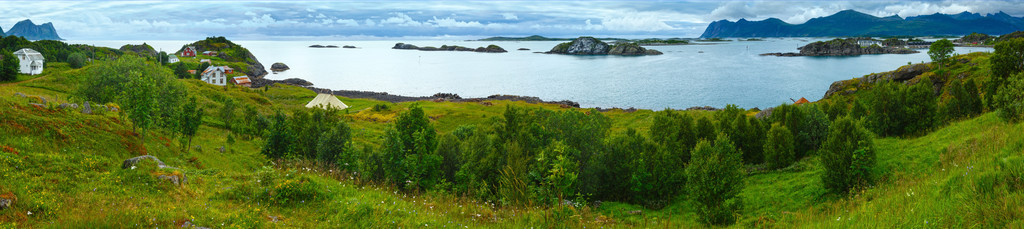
pixel 133 167
pixel 30 213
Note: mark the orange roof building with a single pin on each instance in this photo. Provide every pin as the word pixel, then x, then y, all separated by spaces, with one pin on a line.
pixel 801 101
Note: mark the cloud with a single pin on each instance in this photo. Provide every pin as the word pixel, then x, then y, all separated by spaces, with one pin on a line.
pixel 400 19
pixel 347 22
pixel 510 16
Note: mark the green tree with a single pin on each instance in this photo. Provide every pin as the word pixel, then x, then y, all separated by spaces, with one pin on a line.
pixel 77 60
pixel 162 57
pixel 848 156
pixel 336 147
pixel 278 143
pixel 227 113
pixel 189 119
pixel 181 71
pixel 409 145
pixel 896 110
pixel 779 147
pixel 1007 60
pixel 940 51
pixel 8 66
pixel 1011 99
pixel 705 129
pixel 714 179
pixel 961 100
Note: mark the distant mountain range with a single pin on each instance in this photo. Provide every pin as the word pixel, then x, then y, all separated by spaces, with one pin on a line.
pixel 853 23
pixel 31 31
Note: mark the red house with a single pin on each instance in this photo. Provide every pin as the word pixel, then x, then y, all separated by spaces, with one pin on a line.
pixel 189 51
pixel 228 70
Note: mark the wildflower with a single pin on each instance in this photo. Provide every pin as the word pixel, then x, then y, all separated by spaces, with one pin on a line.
pixel 29 212
pixel 837 219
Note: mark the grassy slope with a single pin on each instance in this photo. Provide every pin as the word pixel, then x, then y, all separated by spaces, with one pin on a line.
pixel 64 167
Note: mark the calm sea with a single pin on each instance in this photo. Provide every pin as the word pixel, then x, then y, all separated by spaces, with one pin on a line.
pixel 685 76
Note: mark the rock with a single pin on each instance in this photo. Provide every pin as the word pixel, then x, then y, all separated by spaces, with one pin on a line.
pixel 592 46
pixel 404 46
pixel 20 94
pixel 316 46
pixel 277 67
pixel 86 108
pixel 763 114
pixel 221 149
pixel 68 105
pixel 130 162
pixel 582 46
pixel 523 49
pixel 6 201
pixel 349 47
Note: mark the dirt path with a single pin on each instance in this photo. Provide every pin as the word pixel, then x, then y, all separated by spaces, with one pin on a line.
pixel 21 82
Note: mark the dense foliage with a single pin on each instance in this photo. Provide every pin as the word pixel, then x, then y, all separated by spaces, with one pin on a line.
pixel 961 100
pixel 1011 99
pixel 848 156
pixel 8 66
pixel 147 93
pixel 778 148
pixel 940 51
pixel 714 178
pixel 895 109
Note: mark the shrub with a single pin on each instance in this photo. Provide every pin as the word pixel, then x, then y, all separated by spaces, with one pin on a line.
pixel 1011 99
pixel 815 129
pixel 704 129
pixel 8 66
pixel 961 101
pixel 335 147
pixel 279 138
pixel 409 149
pixel 714 179
pixel 1005 62
pixel 896 110
pixel 674 132
pixel 779 149
pixel 847 156
pixel 77 60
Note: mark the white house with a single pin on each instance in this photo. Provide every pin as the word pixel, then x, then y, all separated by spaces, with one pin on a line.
pixel 215 75
pixel 866 43
pixel 31 61
pixel 172 59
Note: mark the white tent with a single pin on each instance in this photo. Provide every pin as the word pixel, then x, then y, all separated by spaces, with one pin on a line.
pixel 326 100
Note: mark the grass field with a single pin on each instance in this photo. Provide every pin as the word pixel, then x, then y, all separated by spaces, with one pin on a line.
pixel 63 168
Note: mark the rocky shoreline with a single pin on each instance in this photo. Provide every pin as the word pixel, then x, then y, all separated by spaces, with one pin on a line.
pixel 842 47
pixel 438 97
pixel 488 49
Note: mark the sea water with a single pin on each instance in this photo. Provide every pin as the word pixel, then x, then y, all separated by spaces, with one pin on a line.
pixel 704 74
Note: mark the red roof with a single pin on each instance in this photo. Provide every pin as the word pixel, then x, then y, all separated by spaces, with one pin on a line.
pixel 802 101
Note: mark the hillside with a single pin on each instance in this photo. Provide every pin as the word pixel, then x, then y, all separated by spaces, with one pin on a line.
pixel 31 31
pixel 62 167
pixel 852 23
pixel 230 52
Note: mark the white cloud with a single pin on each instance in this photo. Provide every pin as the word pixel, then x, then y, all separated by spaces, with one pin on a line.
pixel 510 16
pixel 400 19
pixel 347 22
pixel 451 22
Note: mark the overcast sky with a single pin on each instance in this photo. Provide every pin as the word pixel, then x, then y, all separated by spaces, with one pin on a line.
pixel 189 20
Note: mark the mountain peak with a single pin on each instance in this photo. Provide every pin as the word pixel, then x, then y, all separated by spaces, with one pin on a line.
pixel 31 31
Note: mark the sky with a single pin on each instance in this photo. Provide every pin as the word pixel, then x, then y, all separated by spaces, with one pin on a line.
pixel 367 20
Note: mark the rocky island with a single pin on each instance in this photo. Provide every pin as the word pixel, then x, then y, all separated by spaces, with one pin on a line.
pixel 593 46
pixel 488 49
pixel 843 47
pixel 279 67
pixel 323 46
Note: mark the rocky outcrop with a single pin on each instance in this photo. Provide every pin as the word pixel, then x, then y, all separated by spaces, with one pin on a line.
pixel 842 47
pixel 175 178
pixel 349 47
pixel 143 49
pixel 277 67
pixel 257 83
pixel 593 46
pixel 231 52
pixel 902 74
pixel 488 49
pixel 582 46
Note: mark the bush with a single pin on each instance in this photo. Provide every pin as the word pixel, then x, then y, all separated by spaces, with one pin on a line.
pixel 704 129
pixel 779 149
pixel 714 179
pixel 1005 62
pixel 847 156
pixel 896 110
pixel 409 149
pixel 279 138
pixel 961 101
pixel 336 147
pixel 77 60
pixel 1011 99
pixel 8 66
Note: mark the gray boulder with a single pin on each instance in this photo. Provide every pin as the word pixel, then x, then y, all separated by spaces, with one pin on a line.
pixel 404 46
pixel 20 94
pixel 5 203
pixel 86 108
pixel 131 162
pixel 277 67
pixel 68 105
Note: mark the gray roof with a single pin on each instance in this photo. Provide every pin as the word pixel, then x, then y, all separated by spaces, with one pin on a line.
pixel 32 55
